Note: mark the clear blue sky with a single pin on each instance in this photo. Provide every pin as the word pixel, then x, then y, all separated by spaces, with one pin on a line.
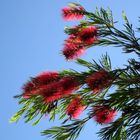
pixel 31 37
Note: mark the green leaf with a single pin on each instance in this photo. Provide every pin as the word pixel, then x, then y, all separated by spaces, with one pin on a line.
pixel 125 17
pixel 37 121
pixel 18 114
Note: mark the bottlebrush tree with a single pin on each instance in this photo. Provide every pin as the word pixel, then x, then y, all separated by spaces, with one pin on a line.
pixel 69 93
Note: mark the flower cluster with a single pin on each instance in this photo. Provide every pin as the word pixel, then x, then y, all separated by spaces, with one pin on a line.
pixel 72 51
pixel 79 41
pixel 51 86
pixel 75 108
pixel 80 37
pixel 32 87
pixel 64 87
pixel 104 114
pixel 73 12
pixel 99 80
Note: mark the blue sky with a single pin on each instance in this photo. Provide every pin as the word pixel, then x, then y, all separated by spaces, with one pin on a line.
pixel 31 37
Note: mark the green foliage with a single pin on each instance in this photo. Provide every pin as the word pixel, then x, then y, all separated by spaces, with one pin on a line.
pixel 18 114
pixel 113 132
pixel 104 63
pixel 69 132
pixel 33 108
pixel 110 35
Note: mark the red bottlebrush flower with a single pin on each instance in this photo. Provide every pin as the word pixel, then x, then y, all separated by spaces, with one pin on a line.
pixel 73 47
pixel 27 88
pixel 75 108
pixel 52 98
pixel 26 95
pixel 99 80
pixel 59 89
pixel 104 115
pixel 72 51
pixel 33 87
pixel 46 78
pixel 75 12
pixel 68 85
pixel 50 92
pixel 74 39
pixel 88 35
pixel 77 42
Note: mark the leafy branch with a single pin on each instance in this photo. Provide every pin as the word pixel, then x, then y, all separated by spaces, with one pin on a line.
pixel 69 132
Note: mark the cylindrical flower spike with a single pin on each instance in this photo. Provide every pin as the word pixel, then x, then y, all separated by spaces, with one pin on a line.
pixel 78 42
pixel 75 108
pixel 64 87
pixel 74 12
pixel 51 92
pixel 99 80
pixel 27 88
pixel 88 35
pixel 46 78
pixel 68 85
pixel 104 114
pixel 32 87
pixel 56 89
pixel 72 51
